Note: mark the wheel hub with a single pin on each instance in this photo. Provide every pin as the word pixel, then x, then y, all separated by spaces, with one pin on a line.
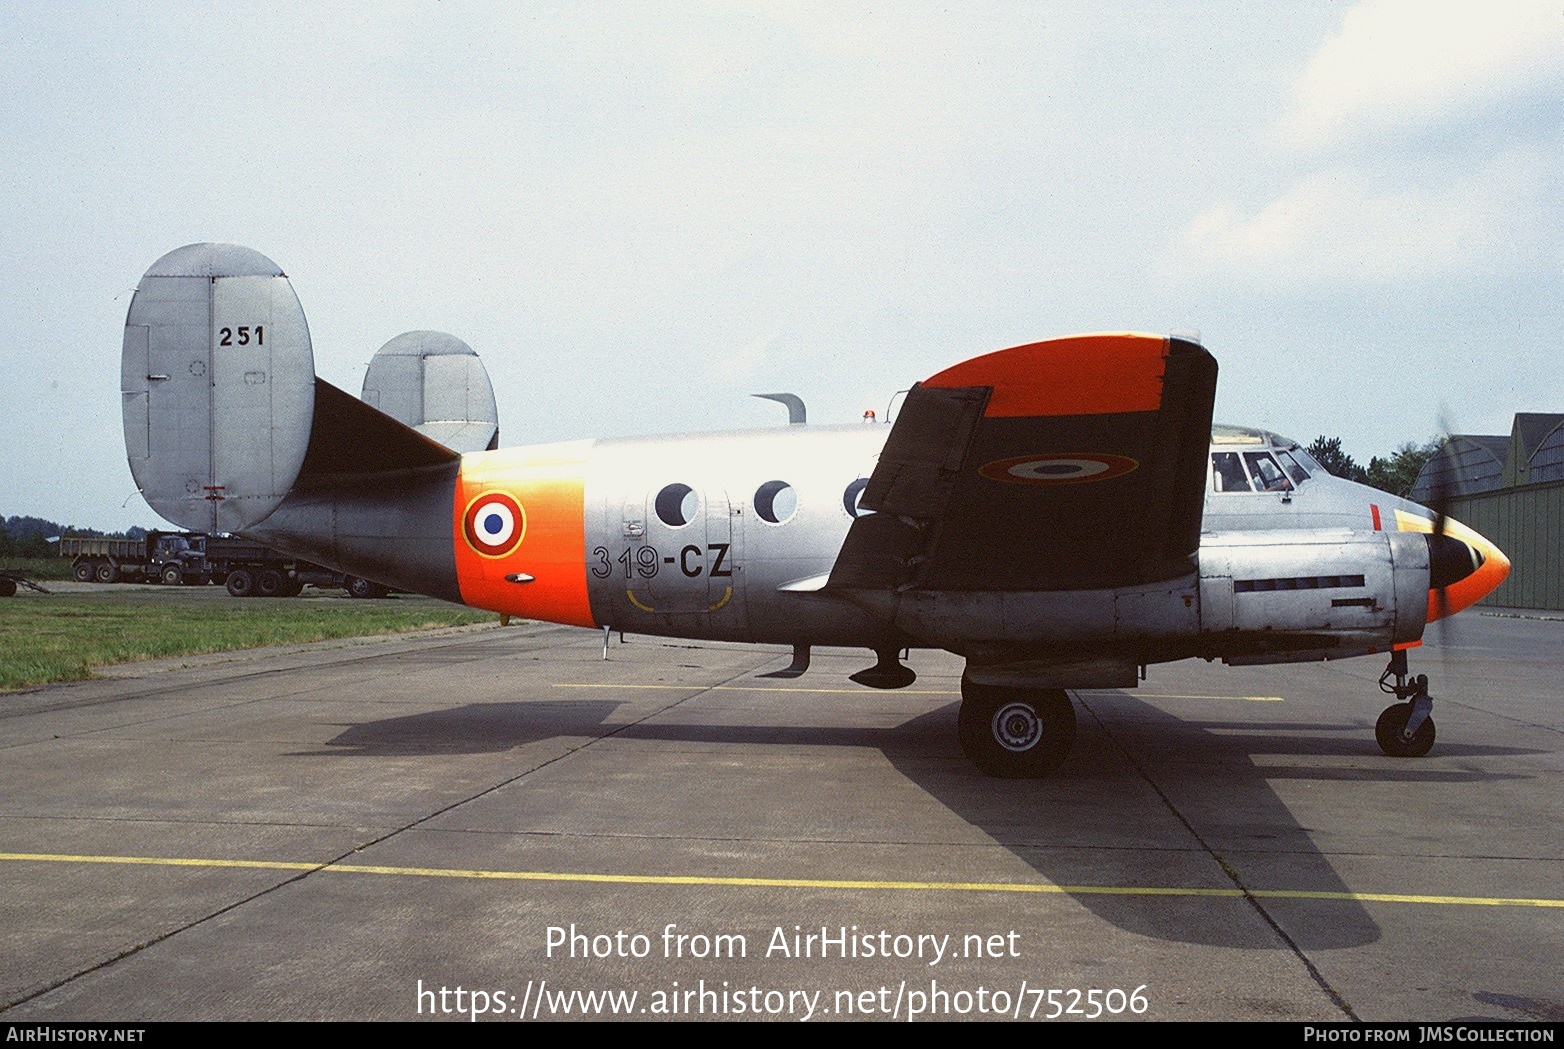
pixel 1017 726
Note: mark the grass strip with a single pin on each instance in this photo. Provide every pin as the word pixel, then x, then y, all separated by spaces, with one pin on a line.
pixel 39 569
pixel 62 637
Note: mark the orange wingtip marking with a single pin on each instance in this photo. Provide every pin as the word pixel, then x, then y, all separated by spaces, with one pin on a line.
pixel 1404 645
pixel 1078 375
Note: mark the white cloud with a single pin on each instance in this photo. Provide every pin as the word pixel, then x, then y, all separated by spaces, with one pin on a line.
pixel 1417 63
pixel 747 361
pixel 1416 151
pixel 1343 225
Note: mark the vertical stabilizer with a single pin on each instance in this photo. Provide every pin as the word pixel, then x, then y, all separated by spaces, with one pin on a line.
pixel 218 383
pixel 436 384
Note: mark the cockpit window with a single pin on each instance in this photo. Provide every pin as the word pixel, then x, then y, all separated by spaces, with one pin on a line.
pixel 1227 473
pixel 1309 463
pixel 1268 477
pixel 1294 469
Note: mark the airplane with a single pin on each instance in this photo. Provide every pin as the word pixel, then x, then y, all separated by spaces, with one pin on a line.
pixel 1060 514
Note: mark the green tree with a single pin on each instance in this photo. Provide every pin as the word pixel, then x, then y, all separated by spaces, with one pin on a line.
pixel 1327 452
pixel 1397 473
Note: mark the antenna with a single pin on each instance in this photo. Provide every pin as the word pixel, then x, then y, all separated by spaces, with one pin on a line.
pixel 794 403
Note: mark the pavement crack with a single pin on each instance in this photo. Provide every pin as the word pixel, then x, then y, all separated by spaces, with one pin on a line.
pixel 135 949
pixel 1230 872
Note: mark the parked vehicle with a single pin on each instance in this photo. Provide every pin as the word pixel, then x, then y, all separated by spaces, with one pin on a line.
pixel 135 560
pixel 10 580
pixel 246 568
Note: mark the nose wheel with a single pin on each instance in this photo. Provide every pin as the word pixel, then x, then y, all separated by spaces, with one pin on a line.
pixel 1405 729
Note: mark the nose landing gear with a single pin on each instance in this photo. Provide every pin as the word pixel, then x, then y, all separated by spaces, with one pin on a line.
pixel 1405 729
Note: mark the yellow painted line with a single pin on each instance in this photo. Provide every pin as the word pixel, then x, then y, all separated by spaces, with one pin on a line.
pixel 760 688
pixel 1240 699
pixel 789 883
pixel 861 692
pixel 158 861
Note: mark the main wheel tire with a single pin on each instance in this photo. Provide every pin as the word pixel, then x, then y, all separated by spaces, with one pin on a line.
pixel 1389 729
pixel 82 571
pixel 106 572
pixel 1015 733
pixel 268 584
pixel 7 586
pixel 240 582
pixel 172 576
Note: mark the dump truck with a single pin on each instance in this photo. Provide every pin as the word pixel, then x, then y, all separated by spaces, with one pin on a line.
pixel 246 568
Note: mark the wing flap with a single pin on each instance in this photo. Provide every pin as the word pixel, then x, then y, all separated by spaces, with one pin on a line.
pixel 921 461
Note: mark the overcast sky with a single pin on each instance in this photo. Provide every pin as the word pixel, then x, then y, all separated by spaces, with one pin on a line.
pixel 638 214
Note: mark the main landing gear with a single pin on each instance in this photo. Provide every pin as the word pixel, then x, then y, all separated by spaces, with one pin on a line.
pixel 1015 733
pixel 1405 729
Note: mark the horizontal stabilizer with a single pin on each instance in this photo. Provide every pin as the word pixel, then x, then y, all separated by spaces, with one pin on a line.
pixel 350 438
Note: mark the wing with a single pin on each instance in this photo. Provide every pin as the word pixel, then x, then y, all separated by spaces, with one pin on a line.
pixel 1070 464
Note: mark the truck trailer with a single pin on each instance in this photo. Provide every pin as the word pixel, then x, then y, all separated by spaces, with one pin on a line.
pixel 246 568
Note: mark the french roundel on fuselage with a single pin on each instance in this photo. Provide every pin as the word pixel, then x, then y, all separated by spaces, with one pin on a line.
pixel 494 524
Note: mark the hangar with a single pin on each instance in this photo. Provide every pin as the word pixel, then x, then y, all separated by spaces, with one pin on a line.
pixel 1511 489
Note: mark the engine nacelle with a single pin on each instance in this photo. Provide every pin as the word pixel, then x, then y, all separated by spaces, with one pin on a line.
pixel 1300 595
pixel 1259 597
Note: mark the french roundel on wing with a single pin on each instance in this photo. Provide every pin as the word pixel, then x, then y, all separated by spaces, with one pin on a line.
pixel 1064 468
pixel 494 524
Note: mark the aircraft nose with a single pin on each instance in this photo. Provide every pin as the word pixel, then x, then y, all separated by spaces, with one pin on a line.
pixel 1463 568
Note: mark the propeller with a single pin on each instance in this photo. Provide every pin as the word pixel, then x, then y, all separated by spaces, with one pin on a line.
pixel 1449 559
pixel 1454 552
pixel 1439 503
pixel 1462 567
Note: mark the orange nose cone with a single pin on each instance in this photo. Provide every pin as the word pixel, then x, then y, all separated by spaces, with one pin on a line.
pixel 1464 567
pixel 1490 568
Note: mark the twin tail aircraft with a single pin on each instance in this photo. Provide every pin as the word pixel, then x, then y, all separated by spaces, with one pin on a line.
pixel 1060 514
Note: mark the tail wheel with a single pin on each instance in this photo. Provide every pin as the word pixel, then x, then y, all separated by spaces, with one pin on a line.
pixel 240 582
pixel 1015 733
pixel 1390 733
pixel 82 571
pixel 268 584
pixel 357 586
